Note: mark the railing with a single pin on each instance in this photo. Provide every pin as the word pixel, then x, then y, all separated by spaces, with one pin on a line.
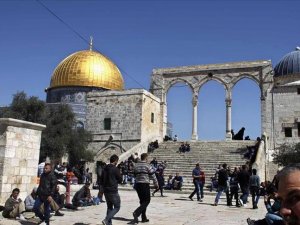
pixel 260 163
pixel 140 148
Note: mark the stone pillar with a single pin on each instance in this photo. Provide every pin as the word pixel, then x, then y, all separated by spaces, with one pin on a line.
pixel 195 119
pixel 228 119
pixel 19 156
pixel 164 115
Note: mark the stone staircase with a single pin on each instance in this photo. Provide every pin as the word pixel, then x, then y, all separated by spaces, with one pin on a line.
pixel 208 153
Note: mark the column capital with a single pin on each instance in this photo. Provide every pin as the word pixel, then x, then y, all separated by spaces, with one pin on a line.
pixel 228 102
pixel 195 100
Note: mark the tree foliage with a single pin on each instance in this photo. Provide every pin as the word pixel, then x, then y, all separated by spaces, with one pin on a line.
pixel 287 154
pixel 60 136
pixel 25 108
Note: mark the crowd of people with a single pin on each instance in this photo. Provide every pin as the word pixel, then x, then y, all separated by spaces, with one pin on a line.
pixel 63 172
pixel 184 147
pixel 46 198
pixel 246 182
pixel 152 146
pixel 281 196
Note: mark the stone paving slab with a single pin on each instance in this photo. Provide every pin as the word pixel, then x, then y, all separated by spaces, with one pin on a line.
pixel 174 209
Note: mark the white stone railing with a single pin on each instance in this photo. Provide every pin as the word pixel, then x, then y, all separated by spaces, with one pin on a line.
pixel 140 148
pixel 260 163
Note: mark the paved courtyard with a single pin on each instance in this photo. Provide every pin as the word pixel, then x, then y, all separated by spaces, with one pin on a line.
pixel 174 209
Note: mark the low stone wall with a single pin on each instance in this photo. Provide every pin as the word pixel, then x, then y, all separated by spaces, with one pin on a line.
pixel 19 156
pixel 260 161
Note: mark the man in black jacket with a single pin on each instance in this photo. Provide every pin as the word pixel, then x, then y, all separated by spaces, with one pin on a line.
pixel 45 190
pixel 244 178
pixel 222 185
pixel 110 178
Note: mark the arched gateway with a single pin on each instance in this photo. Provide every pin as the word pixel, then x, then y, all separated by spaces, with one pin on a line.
pixel 227 74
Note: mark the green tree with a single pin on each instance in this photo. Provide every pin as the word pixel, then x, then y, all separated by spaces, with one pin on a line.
pixel 77 147
pixel 26 108
pixel 287 154
pixel 58 132
pixel 60 136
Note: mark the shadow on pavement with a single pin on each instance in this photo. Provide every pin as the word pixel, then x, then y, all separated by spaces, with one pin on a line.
pixel 81 224
pixel 121 219
pixel 28 223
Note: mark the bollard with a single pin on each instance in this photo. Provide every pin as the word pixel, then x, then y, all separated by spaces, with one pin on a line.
pixel 68 192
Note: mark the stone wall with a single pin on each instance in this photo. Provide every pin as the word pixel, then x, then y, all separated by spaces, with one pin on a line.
pixel 130 114
pixel 19 156
pixel 150 126
pixel 286 114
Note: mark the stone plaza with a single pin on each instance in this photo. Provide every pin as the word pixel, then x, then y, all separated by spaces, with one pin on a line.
pixel 174 209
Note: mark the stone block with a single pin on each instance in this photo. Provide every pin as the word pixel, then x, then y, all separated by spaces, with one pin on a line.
pixel 4 179
pixel 23 171
pixel 10 135
pixel 28 144
pixel 14 163
pixel 23 162
pixel 18 179
pixel 31 171
pixel 10 152
pixel 6 188
pixel 16 170
pixel 26 179
pixel 11 180
pixel 32 163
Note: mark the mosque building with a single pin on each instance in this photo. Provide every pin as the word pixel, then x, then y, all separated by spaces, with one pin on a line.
pixel 93 86
pixel 285 101
pixel 121 119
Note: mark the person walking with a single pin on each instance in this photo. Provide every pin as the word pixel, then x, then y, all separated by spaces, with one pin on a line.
pixel 110 178
pixel 143 171
pixel 45 191
pixel 196 180
pixel 234 188
pixel 254 188
pixel 244 178
pixel 161 182
pixel 222 185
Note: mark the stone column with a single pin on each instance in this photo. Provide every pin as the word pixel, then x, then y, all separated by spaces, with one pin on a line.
pixel 228 119
pixel 19 156
pixel 195 121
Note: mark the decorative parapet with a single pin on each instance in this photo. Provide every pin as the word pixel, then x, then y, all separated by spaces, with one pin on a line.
pixel 261 160
pixel 19 156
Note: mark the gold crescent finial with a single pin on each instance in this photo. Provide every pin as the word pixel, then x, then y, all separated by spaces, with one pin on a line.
pixel 91 43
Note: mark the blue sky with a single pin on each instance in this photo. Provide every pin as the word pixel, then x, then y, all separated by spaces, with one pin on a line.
pixel 141 35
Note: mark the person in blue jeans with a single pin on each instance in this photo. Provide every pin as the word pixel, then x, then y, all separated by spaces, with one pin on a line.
pixel 222 185
pixel 196 180
pixel 254 188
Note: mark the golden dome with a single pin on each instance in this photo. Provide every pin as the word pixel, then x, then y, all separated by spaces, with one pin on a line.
pixel 89 69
